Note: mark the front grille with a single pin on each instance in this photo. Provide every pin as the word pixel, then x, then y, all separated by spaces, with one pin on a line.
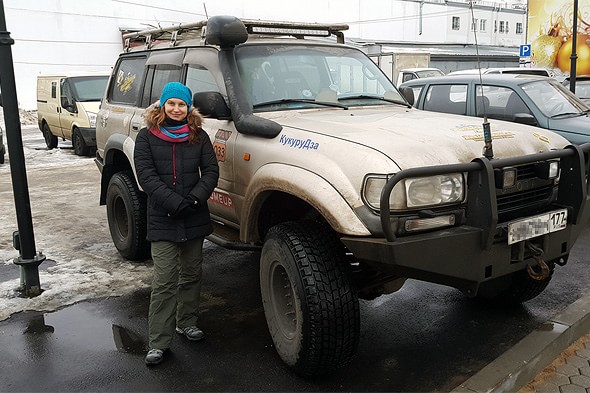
pixel 525 201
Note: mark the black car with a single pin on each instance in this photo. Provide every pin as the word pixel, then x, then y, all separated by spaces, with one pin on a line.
pixel 528 99
pixel 2 147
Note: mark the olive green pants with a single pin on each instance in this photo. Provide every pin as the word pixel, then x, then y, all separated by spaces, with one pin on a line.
pixel 176 289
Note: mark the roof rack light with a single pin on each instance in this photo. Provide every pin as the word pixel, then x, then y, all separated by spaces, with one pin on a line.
pixel 288 31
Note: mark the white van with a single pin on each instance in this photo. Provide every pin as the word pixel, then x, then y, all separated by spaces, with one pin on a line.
pixel 66 108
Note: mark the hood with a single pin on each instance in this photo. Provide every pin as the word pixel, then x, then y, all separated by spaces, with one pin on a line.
pixel 575 129
pixel 89 106
pixel 413 138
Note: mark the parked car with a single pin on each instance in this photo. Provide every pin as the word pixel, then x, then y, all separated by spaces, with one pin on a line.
pixel 582 87
pixel 528 99
pixel 409 74
pixel 66 108
pixel 2 147
pixel 343 188
pixel 510 70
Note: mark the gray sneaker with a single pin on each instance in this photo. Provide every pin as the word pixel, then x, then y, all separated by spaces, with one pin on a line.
pixel 192 333
pixel 154 357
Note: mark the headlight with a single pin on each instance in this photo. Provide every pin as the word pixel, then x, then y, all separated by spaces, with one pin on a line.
pixel 416 192
pixel 92 119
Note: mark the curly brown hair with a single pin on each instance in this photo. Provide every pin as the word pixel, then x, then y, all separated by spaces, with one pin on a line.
pixel 154 118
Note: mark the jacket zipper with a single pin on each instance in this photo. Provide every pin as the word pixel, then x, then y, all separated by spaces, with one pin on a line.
pixel 174 163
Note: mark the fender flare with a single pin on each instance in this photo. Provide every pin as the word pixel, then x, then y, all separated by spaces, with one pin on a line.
pixel 117 143
pixel 297 181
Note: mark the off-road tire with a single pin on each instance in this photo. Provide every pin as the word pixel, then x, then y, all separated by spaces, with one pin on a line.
pixel 126 213
pixel 516 288
pixel 311 307
pixel 80 147
pixel 50 139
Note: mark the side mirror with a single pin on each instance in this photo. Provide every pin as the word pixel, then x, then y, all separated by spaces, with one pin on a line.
pixel 525 118
pixel 408 94
pixel 211 104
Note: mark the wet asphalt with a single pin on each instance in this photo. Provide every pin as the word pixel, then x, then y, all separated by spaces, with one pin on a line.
pixel 424 338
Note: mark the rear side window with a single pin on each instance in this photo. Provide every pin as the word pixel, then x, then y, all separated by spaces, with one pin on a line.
pixel 125 86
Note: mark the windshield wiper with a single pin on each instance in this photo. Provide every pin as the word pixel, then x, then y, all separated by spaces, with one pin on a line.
pixel 360 96
pixel 569 114
pixel 302 100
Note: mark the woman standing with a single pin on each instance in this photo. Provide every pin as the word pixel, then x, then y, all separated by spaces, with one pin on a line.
pixel 177 169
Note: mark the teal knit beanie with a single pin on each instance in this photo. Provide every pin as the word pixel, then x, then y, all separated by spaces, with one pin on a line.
pixel 176 90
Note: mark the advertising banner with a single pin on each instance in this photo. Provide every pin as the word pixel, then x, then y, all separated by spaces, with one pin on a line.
pixel 550 33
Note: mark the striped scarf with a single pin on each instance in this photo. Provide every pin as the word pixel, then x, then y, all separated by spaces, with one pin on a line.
pixel 172 134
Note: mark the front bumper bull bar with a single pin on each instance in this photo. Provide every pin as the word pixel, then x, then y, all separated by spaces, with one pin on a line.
pixel 464 256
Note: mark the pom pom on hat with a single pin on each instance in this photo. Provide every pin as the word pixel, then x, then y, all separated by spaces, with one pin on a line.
pixel 176 90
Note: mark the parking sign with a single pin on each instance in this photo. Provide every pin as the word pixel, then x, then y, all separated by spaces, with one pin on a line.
pixel 525 50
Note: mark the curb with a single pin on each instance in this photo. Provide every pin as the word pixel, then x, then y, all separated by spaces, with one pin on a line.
pixel 521 363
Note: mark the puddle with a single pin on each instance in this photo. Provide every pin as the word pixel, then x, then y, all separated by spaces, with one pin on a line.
pixel 128 341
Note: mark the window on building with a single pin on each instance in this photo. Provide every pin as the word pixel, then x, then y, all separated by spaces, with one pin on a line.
pixel 506 26
pixel 495 26
pixel 518 28
pixel 474 24
pixel 456 23
pixel 482 25
pixel 502 28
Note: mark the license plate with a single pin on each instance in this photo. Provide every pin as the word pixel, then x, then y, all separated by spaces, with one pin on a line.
pixel 536 226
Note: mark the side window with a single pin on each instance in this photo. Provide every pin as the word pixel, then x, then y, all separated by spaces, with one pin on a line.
pixel 66 98
pixel 157 77
pixel 408 77
pixel 447 98
pixel 53 89
pixel 416 90
pixel 125 86
pixel 502 102
pixel 199 78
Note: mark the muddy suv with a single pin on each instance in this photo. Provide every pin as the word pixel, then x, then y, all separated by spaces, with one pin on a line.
pixel 343 187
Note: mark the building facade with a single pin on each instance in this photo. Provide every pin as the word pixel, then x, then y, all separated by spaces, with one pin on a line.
pixel 64 36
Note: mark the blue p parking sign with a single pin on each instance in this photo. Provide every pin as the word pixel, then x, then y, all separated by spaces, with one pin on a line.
pixel 525 50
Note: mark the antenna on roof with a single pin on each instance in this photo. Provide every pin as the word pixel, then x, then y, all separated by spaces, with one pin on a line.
pixel 488 151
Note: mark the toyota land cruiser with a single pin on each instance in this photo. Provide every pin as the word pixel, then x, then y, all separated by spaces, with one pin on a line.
pixel 343 187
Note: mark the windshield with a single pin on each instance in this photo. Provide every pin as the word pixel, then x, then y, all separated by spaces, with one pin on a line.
pixel 429 73
pixel 553 99
pixel 278 77
pixel 89 88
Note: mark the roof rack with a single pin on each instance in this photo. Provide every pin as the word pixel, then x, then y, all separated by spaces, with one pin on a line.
pixel 254 27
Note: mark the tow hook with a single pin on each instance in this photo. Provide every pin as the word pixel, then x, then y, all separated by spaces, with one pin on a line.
pixel 538 257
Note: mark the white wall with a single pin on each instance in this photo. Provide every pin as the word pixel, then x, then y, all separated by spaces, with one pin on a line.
pixel 57 36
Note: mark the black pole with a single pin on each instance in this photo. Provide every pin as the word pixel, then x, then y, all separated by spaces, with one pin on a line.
pixel 24 239
pixel 574 56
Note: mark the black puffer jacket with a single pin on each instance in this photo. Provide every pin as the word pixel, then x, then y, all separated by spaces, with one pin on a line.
pixel 168 172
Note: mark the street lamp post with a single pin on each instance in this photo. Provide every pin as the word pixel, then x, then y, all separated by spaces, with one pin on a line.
pixel 574 56
pixel 24 240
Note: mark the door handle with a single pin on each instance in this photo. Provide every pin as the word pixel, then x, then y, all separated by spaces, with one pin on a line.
pixel 135 126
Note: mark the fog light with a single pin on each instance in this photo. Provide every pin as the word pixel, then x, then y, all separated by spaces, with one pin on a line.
pixel 421 224
pixel 505 177
pixel 547 169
